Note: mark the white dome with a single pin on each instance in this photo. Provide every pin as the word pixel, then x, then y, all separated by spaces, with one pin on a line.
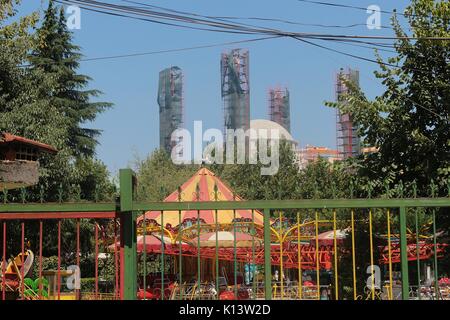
pixel 268 125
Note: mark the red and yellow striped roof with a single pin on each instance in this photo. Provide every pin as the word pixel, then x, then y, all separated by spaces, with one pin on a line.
pixel 200 187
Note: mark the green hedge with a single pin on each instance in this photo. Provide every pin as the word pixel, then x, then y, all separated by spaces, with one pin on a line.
pixel 87 284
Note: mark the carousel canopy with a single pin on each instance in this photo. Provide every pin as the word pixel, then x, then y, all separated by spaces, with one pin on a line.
pixel 153 243
pixel 227 239
pixel 327 238
pixel 200 187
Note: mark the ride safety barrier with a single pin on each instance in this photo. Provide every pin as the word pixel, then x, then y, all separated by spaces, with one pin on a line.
pixel 204 242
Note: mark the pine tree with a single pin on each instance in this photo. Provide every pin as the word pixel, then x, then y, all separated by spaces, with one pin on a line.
pixel 57 55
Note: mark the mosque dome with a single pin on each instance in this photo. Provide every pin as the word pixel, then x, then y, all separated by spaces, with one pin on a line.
pixel 262 124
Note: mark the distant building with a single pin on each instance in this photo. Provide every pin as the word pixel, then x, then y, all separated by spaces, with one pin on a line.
pixel 19 166
pixel 170 101
pixel 279 107
pixel 369 150
pixel 311 154
pixel 348 142
pixel 235 89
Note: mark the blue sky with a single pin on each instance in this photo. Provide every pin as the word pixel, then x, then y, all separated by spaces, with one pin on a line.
pixel 130 129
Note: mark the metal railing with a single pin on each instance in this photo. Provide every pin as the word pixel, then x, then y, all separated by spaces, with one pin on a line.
pixel 285 242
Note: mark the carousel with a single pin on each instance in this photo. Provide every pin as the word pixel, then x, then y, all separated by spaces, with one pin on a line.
pixel 219 254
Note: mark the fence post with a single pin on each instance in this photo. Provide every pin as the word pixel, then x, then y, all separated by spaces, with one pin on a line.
pixel 267 257
pixel 128 255
pixel 404 254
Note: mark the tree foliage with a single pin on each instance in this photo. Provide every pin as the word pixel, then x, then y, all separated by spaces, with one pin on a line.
pixel 42 97
pixel 57 56
pixel 409 122
pixel 158 176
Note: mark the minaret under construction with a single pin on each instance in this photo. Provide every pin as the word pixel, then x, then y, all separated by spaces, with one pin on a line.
pixel 235 89
pixel 348 142
pixel 279 107
pixel 170 101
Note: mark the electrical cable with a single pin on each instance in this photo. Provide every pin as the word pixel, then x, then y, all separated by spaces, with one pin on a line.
pixel 346 6
pixel 266 19
pixel 161 51
pixel 233 27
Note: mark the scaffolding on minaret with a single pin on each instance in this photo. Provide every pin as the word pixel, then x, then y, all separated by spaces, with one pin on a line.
pixel 348 142
pixel 279 107
pixel 170 101
pixel 235 89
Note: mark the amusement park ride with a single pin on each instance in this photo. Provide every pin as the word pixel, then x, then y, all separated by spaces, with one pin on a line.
pixel 15 272
pixel 237 237
pixel 15 281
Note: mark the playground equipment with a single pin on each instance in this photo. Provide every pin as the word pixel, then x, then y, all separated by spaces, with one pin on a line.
pixel 16 270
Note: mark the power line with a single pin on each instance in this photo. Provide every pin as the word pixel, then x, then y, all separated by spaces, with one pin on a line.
pixel 338 5
pixel 276 31
pixel 237 28
pixel 180 49
pixel 221 26
pixel 302 23
pixel 378 62
pixel 349 54
pixel 364 46
pixel 358 57
pixel 159 51
pixel 146 19
pixel 86 4
pixel 230 27
pixel 268 19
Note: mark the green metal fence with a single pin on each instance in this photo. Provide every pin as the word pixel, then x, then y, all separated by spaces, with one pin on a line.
pixel 398 212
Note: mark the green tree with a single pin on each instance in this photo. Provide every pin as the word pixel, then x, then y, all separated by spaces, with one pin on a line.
pixel 409 122
pixel 58 56
pixel 158 176
pixel 22 108
pixel 246 179
pixel 47 101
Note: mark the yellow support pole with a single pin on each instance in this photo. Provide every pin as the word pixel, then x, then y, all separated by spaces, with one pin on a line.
pixel 353 256
pixel 336 284
pixel 371 256
pixel 281 256
pixel 317 257
pixel 300 280
pixel 389 253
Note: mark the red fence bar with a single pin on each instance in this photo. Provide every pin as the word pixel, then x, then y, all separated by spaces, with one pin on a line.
pixel 116 262
pixel 96 259
pixel 121 263
pixel 78 255
pixel 4 263
pixel 22 285
pixel 59 260
pixel 40 258
pixel 57 215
